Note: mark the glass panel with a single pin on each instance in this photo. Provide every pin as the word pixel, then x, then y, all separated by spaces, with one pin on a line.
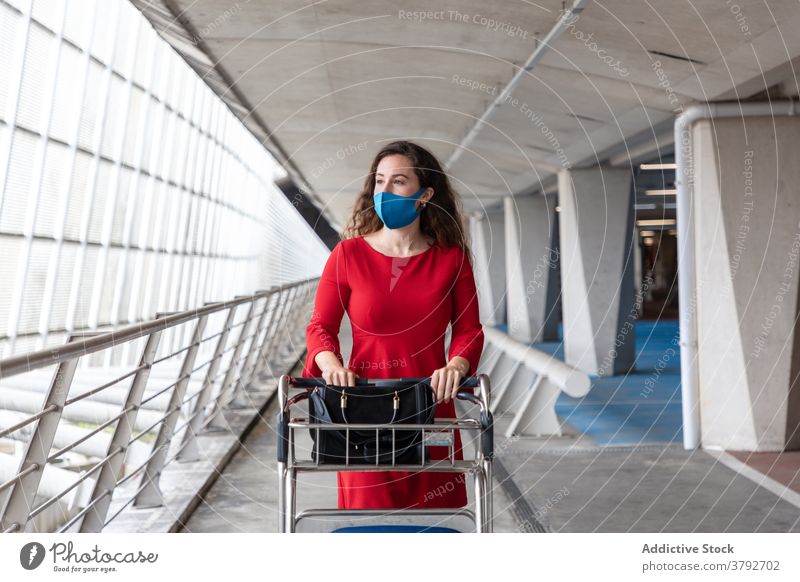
pixel 197 162
pixel 19 181
pixel 35 77
pixel 9 29
pixel 56 174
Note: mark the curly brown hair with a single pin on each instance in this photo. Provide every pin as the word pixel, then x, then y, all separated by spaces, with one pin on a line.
pixel 443 217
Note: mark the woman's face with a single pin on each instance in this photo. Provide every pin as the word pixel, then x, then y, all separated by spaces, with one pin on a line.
pixel 396 174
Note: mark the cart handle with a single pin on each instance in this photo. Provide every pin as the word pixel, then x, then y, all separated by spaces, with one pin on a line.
pixel 479 382
pixel 466 382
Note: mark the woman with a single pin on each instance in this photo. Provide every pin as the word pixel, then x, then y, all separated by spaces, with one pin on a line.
pixel 402 273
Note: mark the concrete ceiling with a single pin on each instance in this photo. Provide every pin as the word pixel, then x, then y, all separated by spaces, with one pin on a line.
pixel 331 81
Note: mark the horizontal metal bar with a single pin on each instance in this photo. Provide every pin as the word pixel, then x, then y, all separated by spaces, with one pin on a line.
pixel 142 466
pixel 19 476
pixel 299 382
pixel 457 467
pixel 211 337
pixel 226 350
pixel 149 428
pixel 164 389
pixel 166 414
pixel 83 395
pixel 330 512
pixel 173 354
pixel 241 323
pixel 138 469
pixel 80 480
pixel 190 398
pixel 212 360
pixel 152 454
pixel 203 365
pixel 27 421
pixel 459 423
pixel 219 375
pixel 149 458
pixel 69 447
pixel 180 427
pixel 128 502
pixel 84 511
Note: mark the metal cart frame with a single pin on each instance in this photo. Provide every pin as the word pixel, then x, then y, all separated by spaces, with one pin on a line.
pixel 474 389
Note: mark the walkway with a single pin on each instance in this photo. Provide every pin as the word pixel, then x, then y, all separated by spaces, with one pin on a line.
pixel 619 467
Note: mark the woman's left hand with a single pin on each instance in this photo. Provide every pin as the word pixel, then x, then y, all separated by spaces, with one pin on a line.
pixel 446 381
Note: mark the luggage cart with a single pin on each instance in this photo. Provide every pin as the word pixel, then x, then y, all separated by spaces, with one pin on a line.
pixel 473 389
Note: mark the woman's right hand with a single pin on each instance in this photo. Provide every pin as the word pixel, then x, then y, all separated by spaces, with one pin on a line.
pixel 339 376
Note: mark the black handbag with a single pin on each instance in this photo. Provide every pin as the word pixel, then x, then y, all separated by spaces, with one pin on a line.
pixel 396 403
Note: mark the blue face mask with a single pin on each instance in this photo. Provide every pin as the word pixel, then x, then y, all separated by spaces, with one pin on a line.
pixel 397 211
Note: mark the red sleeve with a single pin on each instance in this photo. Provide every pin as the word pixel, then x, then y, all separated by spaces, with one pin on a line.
pixel 467 332
pixel 333 294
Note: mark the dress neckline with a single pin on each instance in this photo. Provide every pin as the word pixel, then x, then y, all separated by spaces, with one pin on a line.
pixel 363 240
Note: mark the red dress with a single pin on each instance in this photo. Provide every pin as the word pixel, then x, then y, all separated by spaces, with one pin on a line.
pixel 399 309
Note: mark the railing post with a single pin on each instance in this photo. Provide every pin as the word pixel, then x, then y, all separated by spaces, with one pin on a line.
pixel 290 325
pixel 150 492
pixel 255 348
pixel 284 317
pixel 189 448
pixel 17 507
pixel 217 419
pixel 293 325
pixel 276 326
pixel 269 330
pixel 95 518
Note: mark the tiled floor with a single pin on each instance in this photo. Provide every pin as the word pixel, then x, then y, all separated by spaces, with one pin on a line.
pixel 619 467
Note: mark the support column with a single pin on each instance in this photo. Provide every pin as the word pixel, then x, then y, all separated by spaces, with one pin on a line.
pixel 488 246
pixel 596 233
pixel 481 249
pixel 531 267
pixel 747 228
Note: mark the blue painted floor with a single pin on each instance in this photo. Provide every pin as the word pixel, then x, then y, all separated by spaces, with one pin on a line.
pixel 642 406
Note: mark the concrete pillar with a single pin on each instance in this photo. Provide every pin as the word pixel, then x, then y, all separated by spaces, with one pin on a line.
pixel 481 249
pixel 638 282
pixel 531 267
pixel 488 246
pixel 553 301
pixel 747 205
pixel 596 237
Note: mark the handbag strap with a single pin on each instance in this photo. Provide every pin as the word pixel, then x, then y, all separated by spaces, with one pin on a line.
pixel 343 405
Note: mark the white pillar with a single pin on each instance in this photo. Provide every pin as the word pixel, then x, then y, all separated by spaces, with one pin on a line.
pixel 481 249
pixel 531 267
pixel 747 228
pixel 596 233
pixel 489 249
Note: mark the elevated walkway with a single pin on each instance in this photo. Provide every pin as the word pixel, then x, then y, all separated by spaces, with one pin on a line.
pixel 619 467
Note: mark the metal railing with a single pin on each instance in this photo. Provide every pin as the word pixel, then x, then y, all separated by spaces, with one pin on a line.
pixel 240 343
pixel 527 382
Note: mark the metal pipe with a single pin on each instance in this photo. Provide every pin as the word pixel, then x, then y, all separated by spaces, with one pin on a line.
pixel 568 379
pixel 687 282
